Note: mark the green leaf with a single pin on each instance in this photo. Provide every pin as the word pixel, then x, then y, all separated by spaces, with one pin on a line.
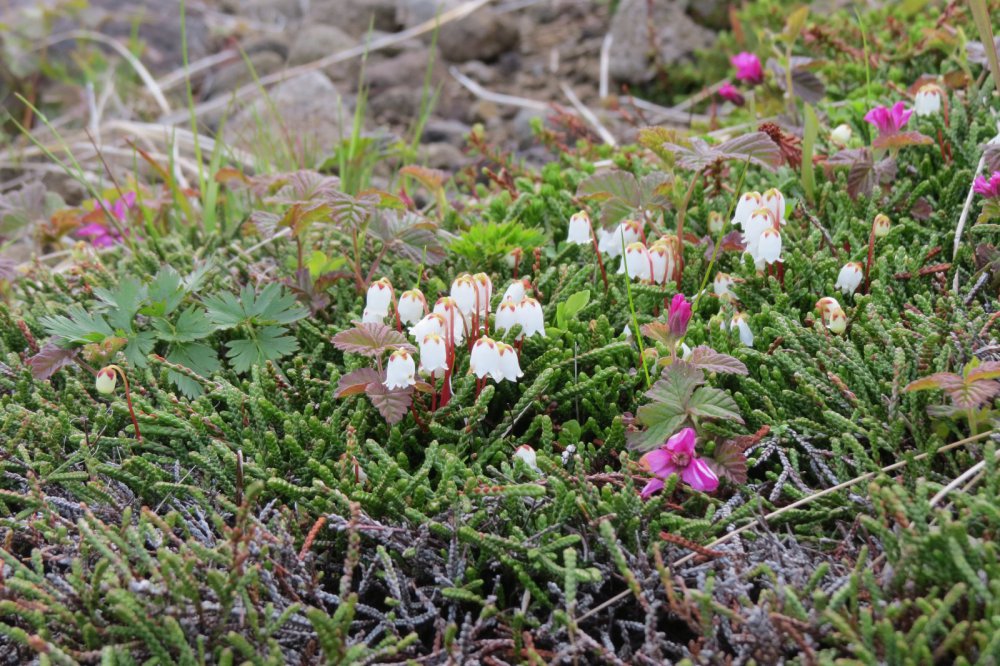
pixel 192 324
pixel 198 357
pixel 165 293
pixel 138 347
pixel 710 360
pixel 122 302
pixel 268 343
pixel 271 306
pixel 567 309
pixel 794 25
pixel 224 310
pixel 77 326
pixel 712 403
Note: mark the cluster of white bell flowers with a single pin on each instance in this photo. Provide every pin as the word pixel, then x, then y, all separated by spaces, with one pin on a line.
pixel 761 217
pixel 654 263
pixel 463 316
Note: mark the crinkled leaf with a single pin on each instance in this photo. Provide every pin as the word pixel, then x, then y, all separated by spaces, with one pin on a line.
pixel 899 140
pixel 26 205
pixel 349 213
pixel 50 359
pixel 805 84
pixel 301 187
pixel 409 235
pixel 668 410
pixel 710 360
pixel 658 331
pixel 861 179
pixel 712 403
pixel 939 380
pixel 391 404
pixel 265 222
pixel 432 179
pixel 355 382
pixel 8 269
pixel 622 195
pixel 984 370
pixel 991 154
pixel 371 339
pixel 729 462
pixel 757 147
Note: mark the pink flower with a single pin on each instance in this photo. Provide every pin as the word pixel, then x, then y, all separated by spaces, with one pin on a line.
pixel 677 456
pixel 888 121
pixel 102 234
pixel 988 188
pixel 678 316
pixel 728 92
pixel 748 67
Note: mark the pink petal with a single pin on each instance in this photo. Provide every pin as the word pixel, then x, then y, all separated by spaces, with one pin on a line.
pixel 654 486
pixel 682 442
pixel 700 476
pixel 658 462
pixel 93 229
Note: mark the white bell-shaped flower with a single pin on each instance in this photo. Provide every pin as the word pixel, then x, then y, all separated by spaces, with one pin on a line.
pixel 463 290
pixel 506 315
pixel 826 305
pixel 515 292
pixel 745 207
pixel 740 323
pixel 412 306
pixel 769 249
pixel 841 135
pixel 837 321
pixel 510 366
pixel 850 277
pixel 637 262
pixel 448 308
pixel 881 225
pixel 484 291
pixel 369 316
pixel 527 454
pixel 722 286
pixel 579 229
pixel 433 355
pixel 760 220
pixel 531 318
pixel 431 323
pixel 774 201
pixel 379 296
pixel 658 258
pixel 107 379
pixel 609 242
pixel 485 359
pixel 401 370
pixel 927 101
pixel 632 230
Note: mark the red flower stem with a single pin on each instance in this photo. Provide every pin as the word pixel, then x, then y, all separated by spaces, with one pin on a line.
pixel 600 261
pixel 128 399
pixel 871 258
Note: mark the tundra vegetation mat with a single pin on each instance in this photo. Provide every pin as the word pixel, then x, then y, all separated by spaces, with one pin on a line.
pixel 724 394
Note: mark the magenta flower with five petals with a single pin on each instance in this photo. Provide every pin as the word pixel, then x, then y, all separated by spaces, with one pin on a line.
pixel 888 120
pixel 748 67
pixel 677 456
pixel 988 188
pixel 728 92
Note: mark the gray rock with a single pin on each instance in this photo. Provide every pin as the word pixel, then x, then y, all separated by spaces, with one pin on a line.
pixel 355 17
pixel 410 13
pixel 404 69
pixel 277 13
pixel 397 105
pixel 235 74
pixel 315 41
pixel 441 156
pixel 439 130
pixel 309 111
pixel 676 38
pixel 521 130
pixel 483 35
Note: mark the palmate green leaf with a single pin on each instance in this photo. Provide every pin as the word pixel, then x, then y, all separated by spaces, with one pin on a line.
pixel 77 326
pixel 139 346
pixel 197 356
pixel 269 343
pixel 271 306
pixel 122 302
pixel 224 309
pixel 192 324
pixel 165 293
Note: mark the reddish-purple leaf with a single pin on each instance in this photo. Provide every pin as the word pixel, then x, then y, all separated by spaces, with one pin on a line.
pixel 50 359
pixel 757 147
pixel 391 404
pixel 729 462
pixel 355 382
pixel 901 140
pixel 708 359
pixel 371 339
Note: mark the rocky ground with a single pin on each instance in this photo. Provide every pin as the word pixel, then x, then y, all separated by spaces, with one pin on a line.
pixel 528 49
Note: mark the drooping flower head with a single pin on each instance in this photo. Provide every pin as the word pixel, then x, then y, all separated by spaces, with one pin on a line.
pixel 107 379
pixel 447 307
pixel 433 355
pixel 463 290
pixel 412 306
pixel 889 120
pixel 678 456
pixel 531 318
pixel 927 101
pixel 659 257
pixel 431 323
pixel 740 323
pixel 715 222
pixel 579 229
pixel 850 277
pixel 834 317
pixel 761 220
pixel 380 295
pixel 841 135
pixel 722 286
pixel 769 248
pixel 516 291
pixel 527 454
pixel 484 290
pixel 988 188
pixel 506 315
pixel 637 262
pixel 401 370
pixel 748 68
pixel 678 316
pixel 485 359
pixel 369 316
pixel 774 201
pixel 745 207
pixel 509 364
pixel 881 225
pixel 728 92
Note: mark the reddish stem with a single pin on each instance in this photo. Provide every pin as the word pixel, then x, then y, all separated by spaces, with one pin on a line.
pixel 600 262
pixel 871 258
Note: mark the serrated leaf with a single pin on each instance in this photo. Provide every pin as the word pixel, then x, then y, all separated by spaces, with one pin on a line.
pixel 198 357
pixel 139 346
pixel 122 302
pixel 409 235
pixel 192 324
pixel 757 147
pixel 899 140
pixel 268 344
pixel 729 462
pixel 391 404
pixel 355 382
pixel 301 187
pixel 50 359
pixel 371 339
pixel 939 380
pixel 350 213
pixel 432 179
pixel 794 24
pixel 77 326
pixel 710 360
pixel 270 306
pixel 712 403
pixel 621 194
pixel 164 294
